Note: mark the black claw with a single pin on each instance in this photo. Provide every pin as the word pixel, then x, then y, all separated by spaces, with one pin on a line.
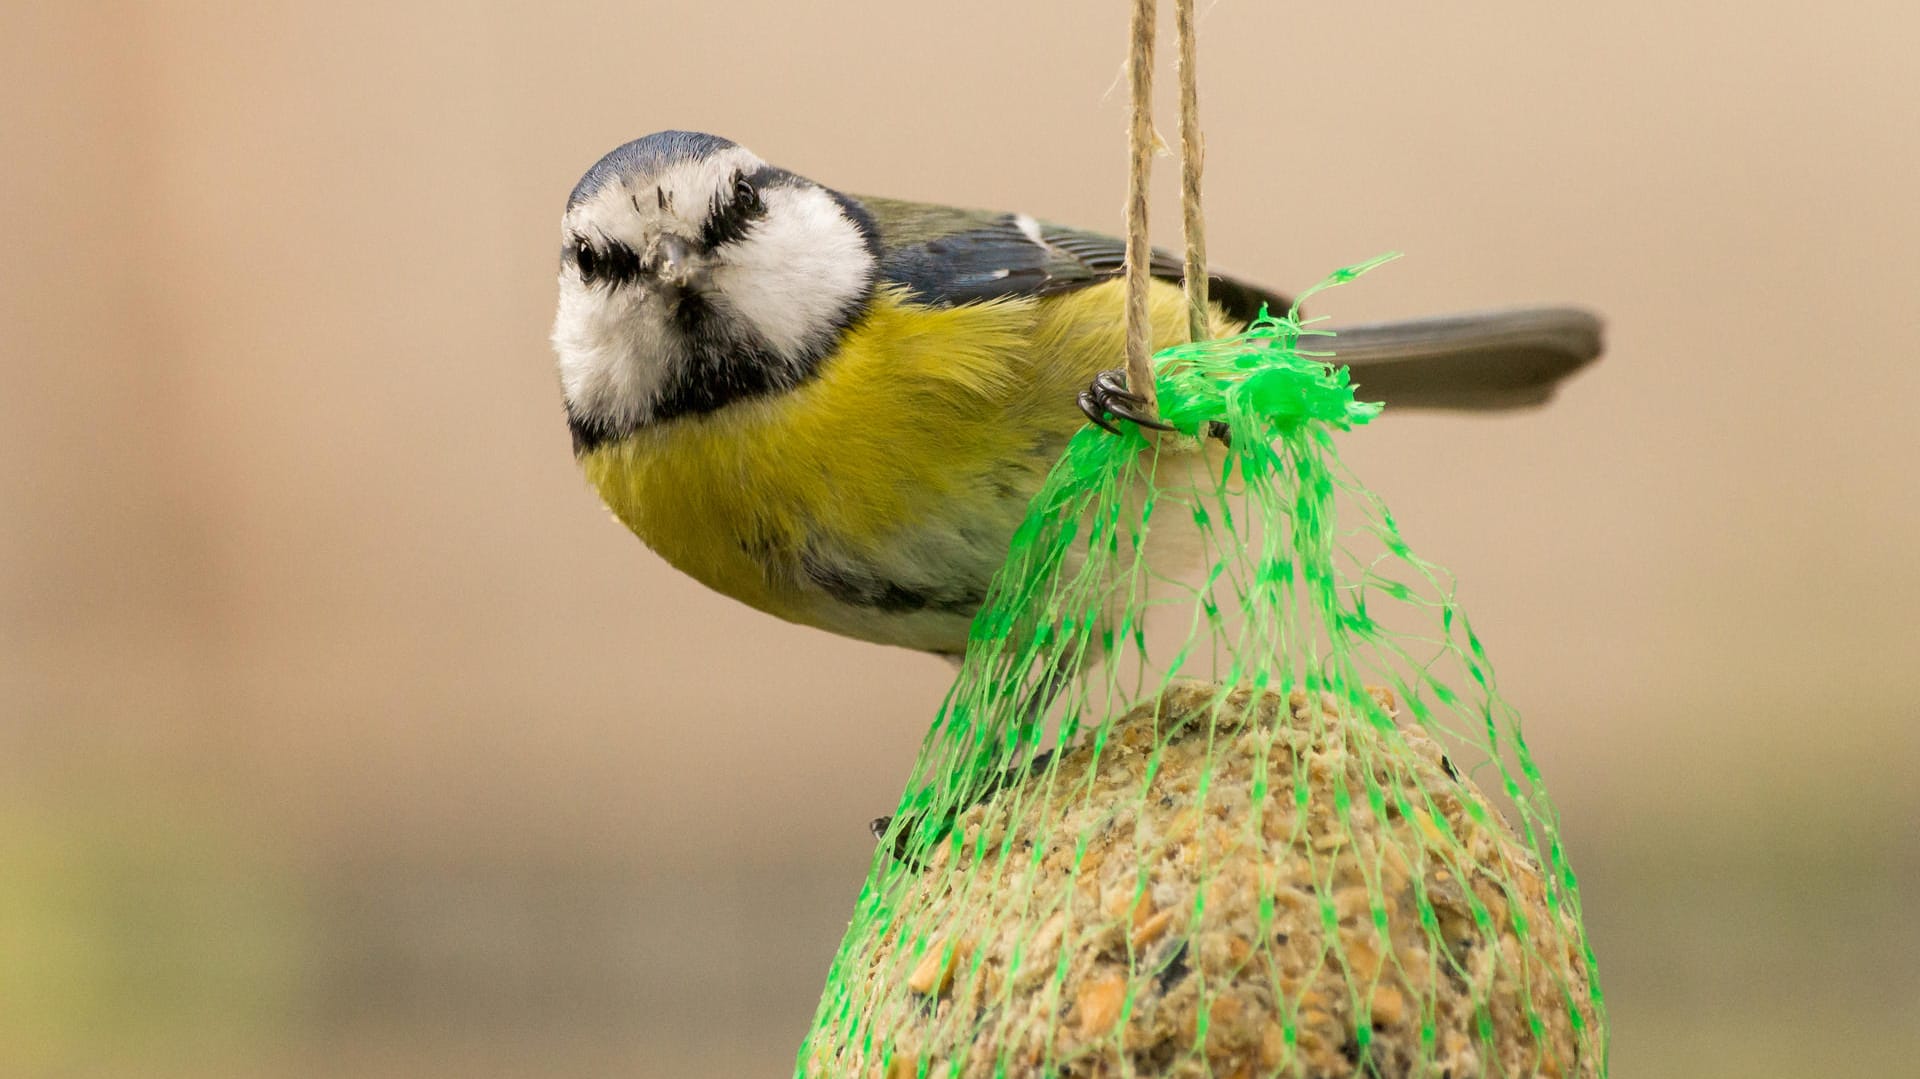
pixel 1094 412
pixel 879 826
pixel 1109 396
pixel 1129 410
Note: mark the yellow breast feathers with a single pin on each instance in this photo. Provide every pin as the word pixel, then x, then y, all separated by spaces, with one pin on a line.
pixel 877 498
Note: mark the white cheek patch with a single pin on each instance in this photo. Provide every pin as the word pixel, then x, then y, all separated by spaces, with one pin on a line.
pixel 796 272
pixel 612 351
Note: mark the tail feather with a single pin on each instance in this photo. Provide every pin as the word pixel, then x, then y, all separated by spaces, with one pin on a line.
pixel 1480 361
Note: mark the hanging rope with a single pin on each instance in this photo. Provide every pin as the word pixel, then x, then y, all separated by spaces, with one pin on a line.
pixel 1140 154
pixel 1192 151
pixel 1140 145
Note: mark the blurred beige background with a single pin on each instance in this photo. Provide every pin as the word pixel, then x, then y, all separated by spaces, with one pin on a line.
pixel 341 733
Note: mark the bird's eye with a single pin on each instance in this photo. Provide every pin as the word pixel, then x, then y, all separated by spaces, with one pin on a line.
pixel 732 213
pixel 586 260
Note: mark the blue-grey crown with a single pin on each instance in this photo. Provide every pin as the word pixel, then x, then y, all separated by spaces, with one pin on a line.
pixel 646 155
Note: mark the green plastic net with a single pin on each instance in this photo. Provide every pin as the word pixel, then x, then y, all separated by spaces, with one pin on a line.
pixel 1212 805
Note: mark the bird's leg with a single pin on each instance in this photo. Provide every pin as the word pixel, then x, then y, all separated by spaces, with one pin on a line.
pixel 1007 778
pixel 1109 395
pixel 1039 699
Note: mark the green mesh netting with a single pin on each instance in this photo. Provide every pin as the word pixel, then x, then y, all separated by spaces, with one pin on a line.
pixel 1212 805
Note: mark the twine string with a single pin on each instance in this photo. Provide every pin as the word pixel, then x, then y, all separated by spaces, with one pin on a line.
pixel 1140 146
pixel 1139 175
pixel 1192 154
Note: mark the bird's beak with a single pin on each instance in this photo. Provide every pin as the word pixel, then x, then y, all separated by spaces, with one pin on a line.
pixel 673 261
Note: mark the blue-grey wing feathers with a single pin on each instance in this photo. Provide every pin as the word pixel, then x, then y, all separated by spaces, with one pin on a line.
pixel 945 256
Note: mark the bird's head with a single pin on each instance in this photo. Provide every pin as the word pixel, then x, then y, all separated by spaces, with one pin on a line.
pixel 693 274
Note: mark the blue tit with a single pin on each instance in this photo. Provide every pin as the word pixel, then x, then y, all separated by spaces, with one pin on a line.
pixel 834 408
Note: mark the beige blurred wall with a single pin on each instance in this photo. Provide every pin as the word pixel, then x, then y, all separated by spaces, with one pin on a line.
pixel 327 690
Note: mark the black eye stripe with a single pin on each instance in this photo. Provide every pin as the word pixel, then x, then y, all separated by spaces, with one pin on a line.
pixel 733 212
pixel 608 260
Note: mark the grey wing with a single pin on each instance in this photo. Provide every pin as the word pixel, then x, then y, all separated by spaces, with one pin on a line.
pixel 1481 361
pixel 945 256
pixel 1491 360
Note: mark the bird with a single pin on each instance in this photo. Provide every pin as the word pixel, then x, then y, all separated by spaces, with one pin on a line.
pixel 835 407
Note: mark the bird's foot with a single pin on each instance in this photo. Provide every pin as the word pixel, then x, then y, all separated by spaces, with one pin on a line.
pixel 1109 396
pixel 880 826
